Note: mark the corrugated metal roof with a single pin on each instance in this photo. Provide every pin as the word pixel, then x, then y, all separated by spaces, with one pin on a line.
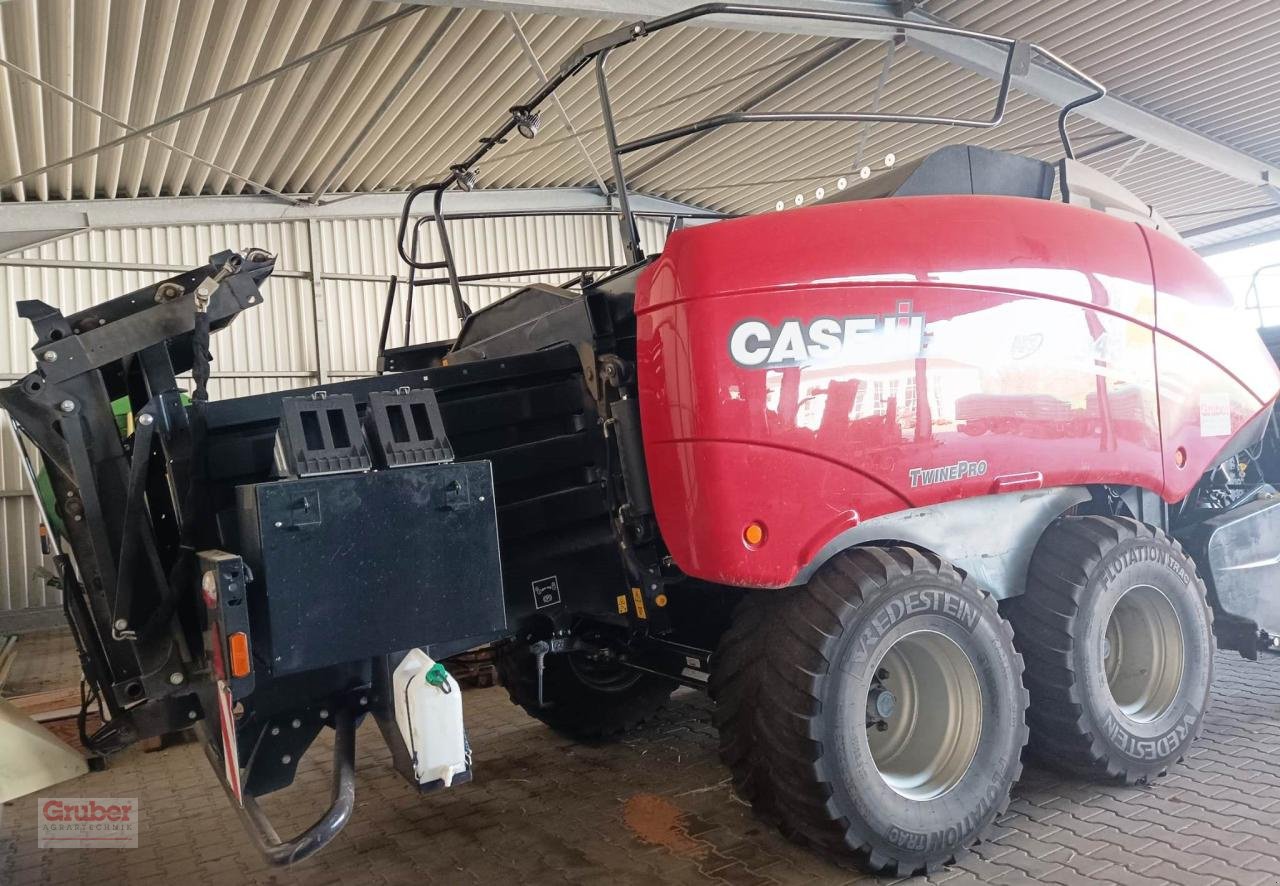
pixel 140 61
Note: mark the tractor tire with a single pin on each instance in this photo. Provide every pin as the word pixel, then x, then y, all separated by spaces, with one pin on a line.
pixel 890 719
pixel 582 699
pixel 1118 640
pixel 735 679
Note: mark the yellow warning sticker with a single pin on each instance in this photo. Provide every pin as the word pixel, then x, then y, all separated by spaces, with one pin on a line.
pixel 639 598
pixel 622 604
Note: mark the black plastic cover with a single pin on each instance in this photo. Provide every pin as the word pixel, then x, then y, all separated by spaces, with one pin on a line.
pixel 529 319
pixel 519 307
pixel 405 428
pixel 958 169
pixel 320 435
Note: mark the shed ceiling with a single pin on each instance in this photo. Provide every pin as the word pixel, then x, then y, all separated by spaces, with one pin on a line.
pixel 397 104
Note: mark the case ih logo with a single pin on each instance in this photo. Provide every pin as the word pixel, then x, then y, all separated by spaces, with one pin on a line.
pixel 864 339
pixel 87 823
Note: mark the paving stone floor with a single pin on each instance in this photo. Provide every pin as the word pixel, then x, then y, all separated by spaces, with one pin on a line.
pixel 657 808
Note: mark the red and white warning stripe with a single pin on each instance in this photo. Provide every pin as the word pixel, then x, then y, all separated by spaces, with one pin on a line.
pixel 230 754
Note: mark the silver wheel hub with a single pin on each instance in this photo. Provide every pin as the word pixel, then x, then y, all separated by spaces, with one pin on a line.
pixel 1143 653
pixel 882 702
pixel 924 715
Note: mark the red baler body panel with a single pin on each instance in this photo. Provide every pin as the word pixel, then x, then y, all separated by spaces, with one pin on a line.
pixel 817 368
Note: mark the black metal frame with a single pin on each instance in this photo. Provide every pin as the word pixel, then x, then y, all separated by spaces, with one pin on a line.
pixel 582 274
pixel 124 502
pixel 149 551
pixel 1017 53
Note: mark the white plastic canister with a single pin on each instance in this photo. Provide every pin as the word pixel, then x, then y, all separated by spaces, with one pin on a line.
pixel 428 706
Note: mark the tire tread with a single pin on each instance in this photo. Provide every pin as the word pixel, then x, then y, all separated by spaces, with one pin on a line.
pixel 1044 618
pixel 787 743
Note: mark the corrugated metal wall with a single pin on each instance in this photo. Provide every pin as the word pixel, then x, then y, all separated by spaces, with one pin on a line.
pixel 320 319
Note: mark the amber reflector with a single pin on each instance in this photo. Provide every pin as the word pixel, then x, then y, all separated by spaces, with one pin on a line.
pixel 238 649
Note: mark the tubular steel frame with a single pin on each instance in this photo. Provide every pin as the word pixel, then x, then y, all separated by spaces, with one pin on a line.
pixel 1017 54
pixel 455 280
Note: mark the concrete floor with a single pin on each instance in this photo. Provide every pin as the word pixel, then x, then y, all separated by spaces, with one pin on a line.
pixel 657 807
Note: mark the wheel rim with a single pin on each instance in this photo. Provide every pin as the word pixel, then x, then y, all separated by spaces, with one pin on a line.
pixel 602 675
pixel 1143 653
pixel 924 735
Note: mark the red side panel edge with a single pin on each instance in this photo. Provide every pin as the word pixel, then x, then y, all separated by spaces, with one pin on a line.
pixel 816 368
pixel 1214 370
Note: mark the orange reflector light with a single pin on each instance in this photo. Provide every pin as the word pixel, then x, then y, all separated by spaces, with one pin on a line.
pixel 753 534
pixel 238 649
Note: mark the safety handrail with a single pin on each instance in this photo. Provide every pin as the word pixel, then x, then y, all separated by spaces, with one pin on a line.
pixel 453 276
pixel 1253 295
pixel 598 50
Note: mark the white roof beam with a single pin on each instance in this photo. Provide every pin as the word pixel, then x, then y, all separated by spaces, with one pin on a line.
pixel 1235 233
pixel 1259 239
pixel 1043 80
pixel 13 241
pixel 71 215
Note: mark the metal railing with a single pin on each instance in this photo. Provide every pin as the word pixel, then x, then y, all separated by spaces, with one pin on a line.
pixel 1017 55
pixel 1253 295
pixel 455 281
